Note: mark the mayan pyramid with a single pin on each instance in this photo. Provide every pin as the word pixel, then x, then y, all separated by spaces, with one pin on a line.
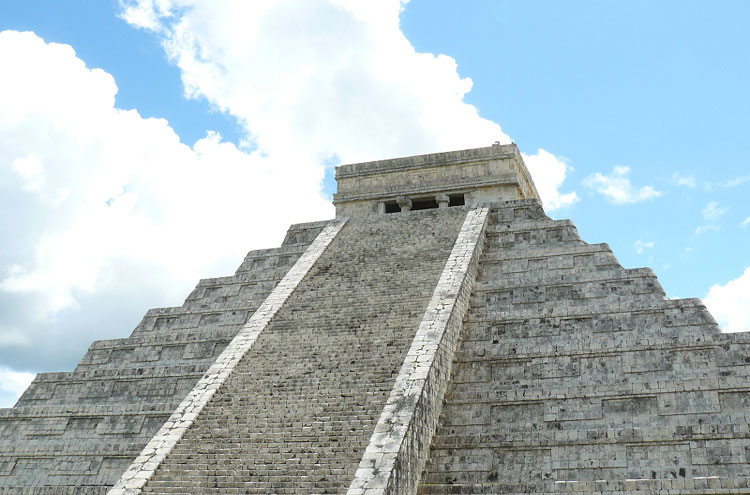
pixel 441 335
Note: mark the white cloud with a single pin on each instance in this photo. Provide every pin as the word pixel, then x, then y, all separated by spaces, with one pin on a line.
pixel 104 213
pixel 548 172
pixel 338 78
pixel 31 170
pixel 143 15
pixel 709 227
pixel 745 222
pixel 713 211
pixel 12 385
pixel 737 181
pixel 727 184
pixel 326 77
pixel 114 185
pixel 730 303
pixel 14 381
pixel 641 246
pixel 711 214
pixel 119 214
pixel 616 187
pixel 679 180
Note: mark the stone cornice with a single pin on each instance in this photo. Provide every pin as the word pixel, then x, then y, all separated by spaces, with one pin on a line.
pixel 494 152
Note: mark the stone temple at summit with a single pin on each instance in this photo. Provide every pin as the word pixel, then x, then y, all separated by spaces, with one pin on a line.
pixel 441 335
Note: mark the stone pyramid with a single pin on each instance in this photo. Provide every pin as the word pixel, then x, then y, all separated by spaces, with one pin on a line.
pixel 442 335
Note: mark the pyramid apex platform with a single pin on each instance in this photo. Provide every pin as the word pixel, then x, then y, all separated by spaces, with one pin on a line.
pixel 464 177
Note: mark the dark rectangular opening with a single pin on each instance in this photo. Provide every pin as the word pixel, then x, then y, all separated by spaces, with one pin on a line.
pixel 423 204
pixel 457 200
pixel 392 207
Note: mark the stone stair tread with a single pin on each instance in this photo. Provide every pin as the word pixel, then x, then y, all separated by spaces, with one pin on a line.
pixel 315 380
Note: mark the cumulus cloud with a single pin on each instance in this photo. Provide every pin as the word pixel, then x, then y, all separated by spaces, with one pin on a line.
pixel 114 205
pixel 120 215
pixel 679 180
pixel 332 77
pixel 142 15
pixel 12 384
pixel 335 77
pixel 549 172
pixel 617 188
pixel 730 303
pixel 640 246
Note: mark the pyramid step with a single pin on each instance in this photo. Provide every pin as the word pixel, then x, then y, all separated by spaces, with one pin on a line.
pixel 158 382
pixel 301 405
pixel 677 486
pixel 678 311
pixel 495 344
pixel 572 368
pixel 561 277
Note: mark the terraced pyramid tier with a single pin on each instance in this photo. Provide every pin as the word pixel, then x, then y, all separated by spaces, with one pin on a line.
pixel 573 374
pixel 76 432
pixel 576 375
pixel 297 412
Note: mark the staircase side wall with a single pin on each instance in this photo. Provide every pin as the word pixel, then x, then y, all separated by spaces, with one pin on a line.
pixel 296 413
pixel 78 431
pixel 398 448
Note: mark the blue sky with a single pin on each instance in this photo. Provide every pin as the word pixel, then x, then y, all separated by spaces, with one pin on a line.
pixel 211 126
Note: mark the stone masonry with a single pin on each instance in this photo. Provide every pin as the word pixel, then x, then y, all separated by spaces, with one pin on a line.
pixel 469 177
pixel 170 434
pixel 401 437
pixel 441 336
pixel 77 432
pixel 299 409
pixel 576 375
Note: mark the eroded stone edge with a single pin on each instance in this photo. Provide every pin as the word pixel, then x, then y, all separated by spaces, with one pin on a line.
pixel 397 452
pixel 144 466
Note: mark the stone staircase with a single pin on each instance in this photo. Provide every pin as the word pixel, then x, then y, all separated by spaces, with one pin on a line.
pixel 576 375
pixel 573 375
pixel 76 432
pixel 297 412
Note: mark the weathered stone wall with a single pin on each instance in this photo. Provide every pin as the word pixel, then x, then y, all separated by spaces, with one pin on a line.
pixel 576 375
pixel 297 412
pixel 77 432
pixel 183 418
pixel 486 174
pixel 572 375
